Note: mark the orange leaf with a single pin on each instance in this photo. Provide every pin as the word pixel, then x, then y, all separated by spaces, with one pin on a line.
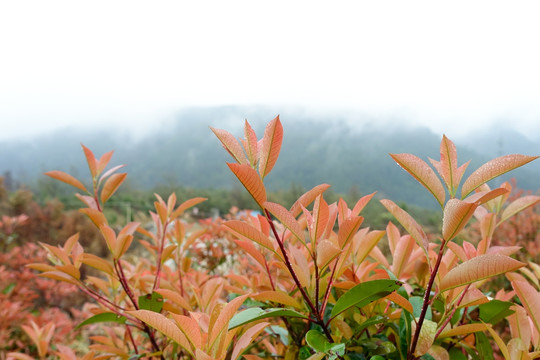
pixel 68 179
pixel 367 243
pixel 462 330
pixel 96 216
pixel 518 205
pixel 186 205
pixel 104 161
pixel 456 215
pixel 326 252
pixel 286 218
pixel 222 322
pixel 88 201
pixel 347 229
pixel 270 147
pixel 519 325
pixel 321 215
pixel 174 297
pixel 401 301
pixel 492 169
pixel 163 325
pixel 92 162
pixel 248 231
pixel 230 144
pixel 360 204
pixel 245 340
pixel 422 173
pixel 251 181
pixel 307 198
pixel 111 185
pixel 408 223
pixel 403 251
pixel 530 299
pixel 479 268
pixel 249 248
pixel 60 276
pixel 251 144
pixel 190 328
pixel 97 263
pixel 277 296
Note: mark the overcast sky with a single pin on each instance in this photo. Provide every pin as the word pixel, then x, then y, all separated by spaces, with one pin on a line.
pixel 450 65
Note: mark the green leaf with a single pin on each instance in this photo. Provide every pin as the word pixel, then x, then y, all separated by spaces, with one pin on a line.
pixel 318 342
pixel 8 289
pixel 103 317
pixel 485 350
pixel 254 314
pixel 456 354
pixel 152 302
pixel 494 311
pixel 417 302
pixel 364 293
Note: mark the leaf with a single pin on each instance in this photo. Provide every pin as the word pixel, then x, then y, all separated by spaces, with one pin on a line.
pixel 462 330
pixel 186 205
pixel 367 243
pixel 250 144
pixel 92 162
pixel 479 268
pixel 152 302
pixel 66 178
pixel 96 216
pixel 248 231
pixel 97 263
pixel 270 147
pixel 286 218
pixel 163 324
pixel 530 299
pixel 277 296
pixel 245 340
pixel 518 205
pixel 494 311
pixel 111 185
pixel 174 297
pixel 307 198
pixel 104 161
pixel 456 215
pixel 326 252
pixel 492 169
pixel 230 144
pixel 190 328
pixel 251 181
pixel 318 342
pixel 408 223
pixel 361 204
pixel 500 343
pixel 255 313
pixel 363 294
pixel 426 337
pixel 321 215
pixel 103 317
pixel 222 322
pixel 347 229
pixel 424 174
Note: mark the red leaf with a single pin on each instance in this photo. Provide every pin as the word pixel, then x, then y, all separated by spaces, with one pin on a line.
pixel 68 179
pixel 270 147
pixel 251 181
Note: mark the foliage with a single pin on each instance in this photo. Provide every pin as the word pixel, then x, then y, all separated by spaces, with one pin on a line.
pixel 305 281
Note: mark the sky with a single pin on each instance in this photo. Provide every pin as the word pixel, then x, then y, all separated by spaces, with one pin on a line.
pixel 452 66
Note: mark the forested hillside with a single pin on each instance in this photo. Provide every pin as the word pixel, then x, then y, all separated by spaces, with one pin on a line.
pixel 350 154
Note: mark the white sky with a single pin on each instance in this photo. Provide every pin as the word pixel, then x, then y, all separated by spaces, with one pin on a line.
pixel 450 65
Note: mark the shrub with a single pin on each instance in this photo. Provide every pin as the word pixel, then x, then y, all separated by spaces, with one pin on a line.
pixel 307 282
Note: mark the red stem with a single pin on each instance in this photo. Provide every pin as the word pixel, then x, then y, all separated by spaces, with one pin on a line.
pixel 426 302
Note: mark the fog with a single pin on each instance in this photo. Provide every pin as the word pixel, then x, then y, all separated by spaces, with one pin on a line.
pixel 132 67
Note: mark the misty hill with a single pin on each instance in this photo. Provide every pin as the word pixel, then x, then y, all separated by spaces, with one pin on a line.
pixel 346 153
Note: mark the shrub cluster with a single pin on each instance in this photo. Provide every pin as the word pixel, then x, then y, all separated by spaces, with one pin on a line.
pixel 307 281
